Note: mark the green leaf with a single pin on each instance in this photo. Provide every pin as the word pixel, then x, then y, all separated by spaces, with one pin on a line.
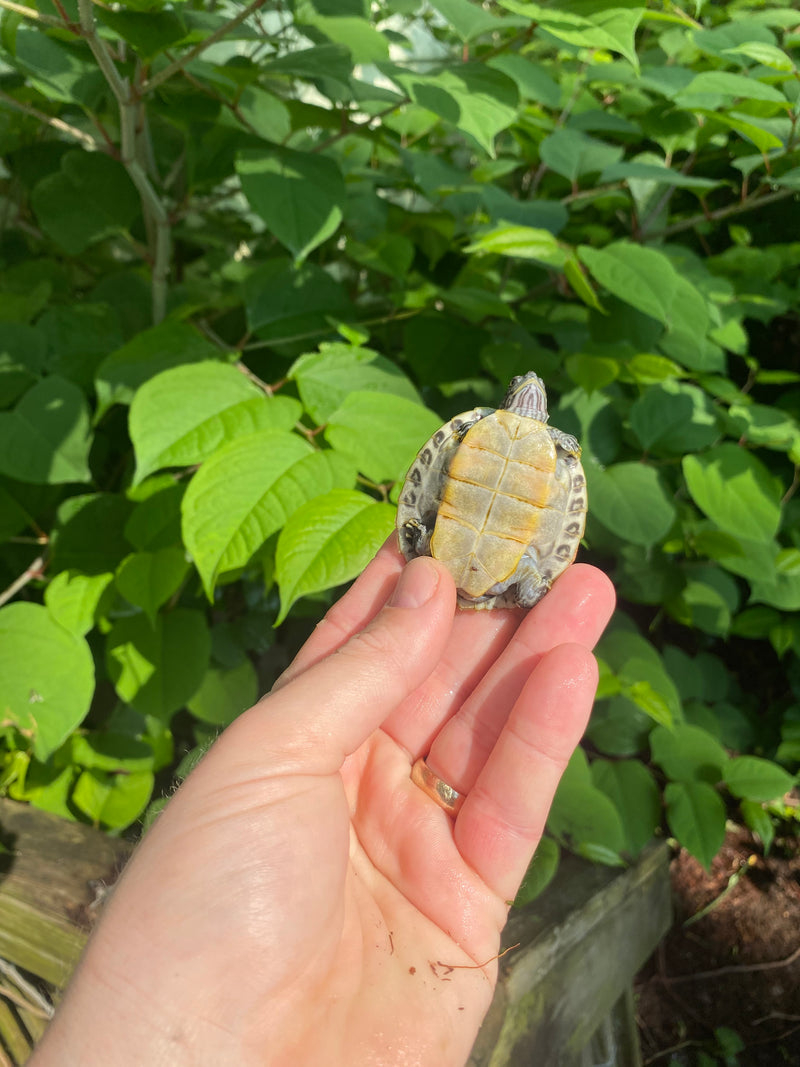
pixel 642 277
pixel 532 79
pixel 103 751
pixel 169 344
pixel 113 800
pixel 475 98
pixel 156 522
pixel 580 285
pixel 57 71
pixel 708 601
pixel 629 499
pixel 380 432
pixel 688 753
pixel 46 438
pixel 675 417
pixel 766 54
pixel 327 542
pixel 781 591
pixel 91 538
pixel 727 86
pixel 79 337
pixel 754 778
pixel 148 32
pixel 246 491
pixel 645 688
pixel 763 425
pixel 363 41
pixel 571 153
pixel 180 417
pixel 735 490
pixel 325 378
pixel 612 28
pixel 541 871
pixel 158 668
pixel 635 795
pixel 521 242
pixel 763 138
pixel 72 599
pixel 46 676
pixel 759 821
pixel 225 694
pixel 265 114
pixel 299 196
pixel 90 198
pixel 148 579
pixel 582 817
pixel 45 786
pixel 696 817
pixel 646 697
pixel 470 20
pixel 308 63
pixel 22 358
pixel 283 301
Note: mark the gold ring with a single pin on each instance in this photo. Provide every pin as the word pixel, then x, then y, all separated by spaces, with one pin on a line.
pixel 437 789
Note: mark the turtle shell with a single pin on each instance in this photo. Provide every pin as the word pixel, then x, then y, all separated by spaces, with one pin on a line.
pixel 499 498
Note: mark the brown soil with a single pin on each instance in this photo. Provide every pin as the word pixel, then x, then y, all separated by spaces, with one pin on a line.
pixel 736 967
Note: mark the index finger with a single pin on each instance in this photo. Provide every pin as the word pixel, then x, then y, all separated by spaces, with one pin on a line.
pixel 352 612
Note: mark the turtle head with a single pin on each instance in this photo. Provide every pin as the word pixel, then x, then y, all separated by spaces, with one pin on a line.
pixel 526 396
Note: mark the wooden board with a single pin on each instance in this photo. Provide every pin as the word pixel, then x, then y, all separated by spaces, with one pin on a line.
pixel 581 944
pixel 50 880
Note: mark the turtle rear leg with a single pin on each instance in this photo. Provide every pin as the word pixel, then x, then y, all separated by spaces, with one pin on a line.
pixel 531 582
pixel 415 538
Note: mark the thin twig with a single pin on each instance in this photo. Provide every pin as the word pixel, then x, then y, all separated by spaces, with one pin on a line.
pixel 34 571
pixel 666 196
pixel 51 120
pixel 119 87
pixel 201 46
pixel 153 208
pixel 408 313
pixel 734 968
pixel 356 127
pixel 30 13
pixel 787 496
pixel 750 204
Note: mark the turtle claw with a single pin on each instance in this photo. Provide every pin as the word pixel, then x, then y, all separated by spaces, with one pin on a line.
pixel 565 441
pixel 415 539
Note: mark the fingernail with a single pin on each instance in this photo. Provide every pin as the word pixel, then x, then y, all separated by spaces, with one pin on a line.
pixel 416 585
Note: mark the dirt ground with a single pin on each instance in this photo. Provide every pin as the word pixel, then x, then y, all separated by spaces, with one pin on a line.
pixel 736 967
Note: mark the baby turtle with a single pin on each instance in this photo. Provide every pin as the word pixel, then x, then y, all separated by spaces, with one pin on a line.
pixel 499 497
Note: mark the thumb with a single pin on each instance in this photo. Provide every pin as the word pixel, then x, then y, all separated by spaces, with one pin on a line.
pixel 315 721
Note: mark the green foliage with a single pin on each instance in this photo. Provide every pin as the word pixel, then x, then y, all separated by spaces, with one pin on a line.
pixel 252 256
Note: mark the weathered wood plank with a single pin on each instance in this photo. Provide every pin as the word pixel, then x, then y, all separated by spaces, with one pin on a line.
pixel 581 944
pixel 48 886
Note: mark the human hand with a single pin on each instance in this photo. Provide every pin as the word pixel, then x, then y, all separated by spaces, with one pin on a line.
pixel 301 900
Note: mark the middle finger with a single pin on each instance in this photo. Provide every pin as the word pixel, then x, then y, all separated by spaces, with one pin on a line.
pixel 575 611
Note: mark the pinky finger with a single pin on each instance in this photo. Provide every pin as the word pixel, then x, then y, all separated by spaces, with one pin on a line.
pixel 505 812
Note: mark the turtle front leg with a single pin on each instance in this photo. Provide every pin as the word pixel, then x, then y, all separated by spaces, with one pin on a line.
pixel 565 441
pixel 415 538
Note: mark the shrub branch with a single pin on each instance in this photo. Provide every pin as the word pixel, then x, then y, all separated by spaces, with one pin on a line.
pixel 201 46
pixel 155 212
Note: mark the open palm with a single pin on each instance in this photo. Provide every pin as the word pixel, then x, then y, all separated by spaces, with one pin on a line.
pixel 301 901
